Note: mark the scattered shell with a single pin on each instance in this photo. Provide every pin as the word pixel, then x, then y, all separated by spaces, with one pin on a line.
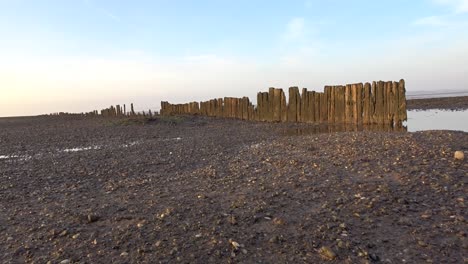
pixel 235 245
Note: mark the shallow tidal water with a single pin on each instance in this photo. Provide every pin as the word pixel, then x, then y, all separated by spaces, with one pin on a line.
pixel 436 119
pixel 418 120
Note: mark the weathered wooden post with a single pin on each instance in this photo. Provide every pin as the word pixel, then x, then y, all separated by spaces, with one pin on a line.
pixel 359 102
pixel 132 109
pixel 311 106
pixel 284 107
pixel 293 104
pixel 331 103
pixel 396 100
pixel 389 103
pixel 379 102
pixel 349 104
pixel 276 105
pixel 304 105
pixel 402 102
pixel 366 103
pixel 317 106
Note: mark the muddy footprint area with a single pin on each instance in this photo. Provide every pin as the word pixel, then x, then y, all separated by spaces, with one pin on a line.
pixel 202 190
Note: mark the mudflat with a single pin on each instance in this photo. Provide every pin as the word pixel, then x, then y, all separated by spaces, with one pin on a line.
pixel 447 103
pixel 203 190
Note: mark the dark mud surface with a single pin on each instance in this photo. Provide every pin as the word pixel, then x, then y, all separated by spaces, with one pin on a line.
pixel 200 190
pixel 447 103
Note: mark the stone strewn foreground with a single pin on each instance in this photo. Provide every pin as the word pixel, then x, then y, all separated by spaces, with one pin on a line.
pixel 201 190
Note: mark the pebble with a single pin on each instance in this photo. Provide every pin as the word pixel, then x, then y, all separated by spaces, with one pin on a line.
pixel 327 253
pixel 235 245
pixel 65 261
pixel 9 239
pixel 278 221
pixel 92 218
pixel 124 254
pixel 459 155
pixel 422 243
pixel 374 257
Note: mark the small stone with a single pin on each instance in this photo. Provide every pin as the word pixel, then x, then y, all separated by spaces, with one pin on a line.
pixel 65 261
pixel 274 239
pixel 459 155
pixel 92 218
pixel 327 253
pixel 9 239
pixel 232 220
pixel 158 243
pixel 244 251
pixel 341 244
pixel 374 257
pixel 426 216
pixel 422 243
pixel 278 221
pixel 75 236
pixel 63 233
pixel 124 254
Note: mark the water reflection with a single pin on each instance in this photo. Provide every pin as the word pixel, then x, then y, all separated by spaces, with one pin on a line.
pixel 318 129
pixel 417 121
pixel 437 119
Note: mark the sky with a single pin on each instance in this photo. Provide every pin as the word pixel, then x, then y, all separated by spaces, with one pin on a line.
pixel 81 55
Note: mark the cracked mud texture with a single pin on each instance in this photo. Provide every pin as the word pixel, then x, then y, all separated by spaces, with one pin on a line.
pixel 447 103
pixel 202 190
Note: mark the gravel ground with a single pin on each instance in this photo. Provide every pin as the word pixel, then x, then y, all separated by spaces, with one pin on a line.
pixel 201 190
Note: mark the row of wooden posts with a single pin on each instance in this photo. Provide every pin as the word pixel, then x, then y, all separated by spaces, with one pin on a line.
pixel 377 103
pixel 118 111
pixel 121 111
pixel 112 111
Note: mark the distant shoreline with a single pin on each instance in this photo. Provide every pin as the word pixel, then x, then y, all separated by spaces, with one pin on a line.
pixel 445 103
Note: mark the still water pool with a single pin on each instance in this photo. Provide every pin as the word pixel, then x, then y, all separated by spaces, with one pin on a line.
pixel 436 119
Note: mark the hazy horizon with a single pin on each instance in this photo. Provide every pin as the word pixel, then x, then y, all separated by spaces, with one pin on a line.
pixel 79 56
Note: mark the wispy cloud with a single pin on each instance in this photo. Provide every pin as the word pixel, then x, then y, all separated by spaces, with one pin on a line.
pixel 104 11
pixel 295 29
pixel 454 18
pixel 431 21
pixel 458 6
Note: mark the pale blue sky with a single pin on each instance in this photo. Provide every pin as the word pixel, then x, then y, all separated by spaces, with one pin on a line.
pixel 85 54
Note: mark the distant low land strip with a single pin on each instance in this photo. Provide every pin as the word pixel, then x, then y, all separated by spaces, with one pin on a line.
pixel 446 103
